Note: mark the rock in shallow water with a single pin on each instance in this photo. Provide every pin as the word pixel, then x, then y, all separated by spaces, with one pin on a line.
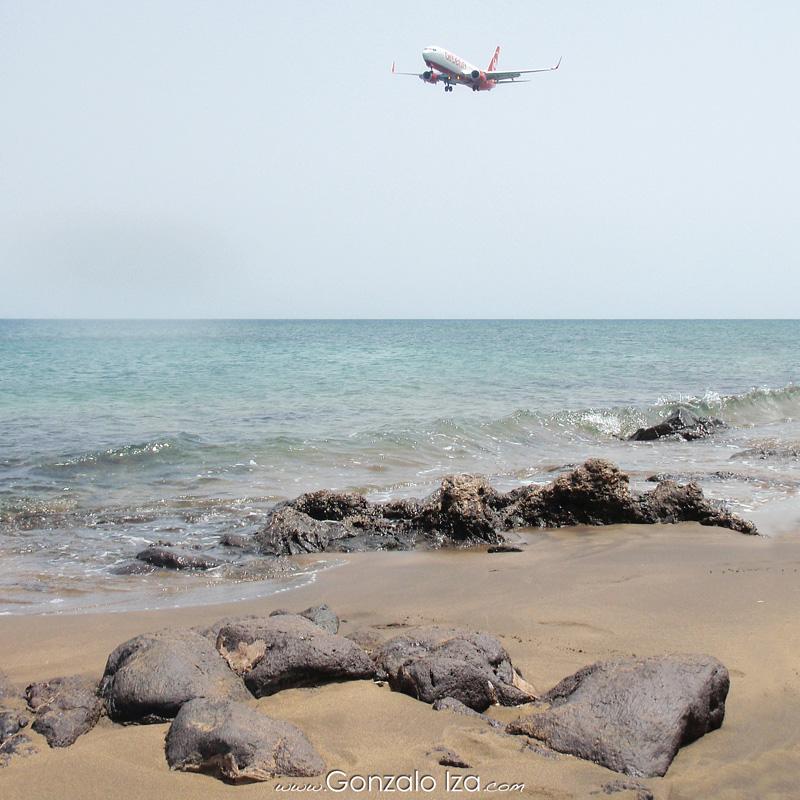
pixel 436 663
pixel 238 743
pixel 64 708
pixel 287 650
pixel 466 510
pixel 683 424
pixel 149 677
pixel 176 558
pixel 632 715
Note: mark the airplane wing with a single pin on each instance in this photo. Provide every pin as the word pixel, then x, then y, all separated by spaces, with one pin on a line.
pixel 395 72
pixel 510 76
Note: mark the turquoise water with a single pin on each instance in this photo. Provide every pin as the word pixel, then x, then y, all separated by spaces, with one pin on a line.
pixel 113 434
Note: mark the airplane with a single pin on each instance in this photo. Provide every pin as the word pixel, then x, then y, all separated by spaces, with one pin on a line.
pixel 452 70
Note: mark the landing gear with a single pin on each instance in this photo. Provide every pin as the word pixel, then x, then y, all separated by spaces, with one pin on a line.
pixel 448 87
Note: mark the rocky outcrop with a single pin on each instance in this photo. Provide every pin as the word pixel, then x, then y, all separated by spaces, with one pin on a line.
pixel 321 616
pixel 434 663
pixel 631 715
pixel 671 502
pixel 466 510
pixel 680 424
pixel 286 651
pixel 176 558
pixel 237 743
pixel 64 708
pixel 149 677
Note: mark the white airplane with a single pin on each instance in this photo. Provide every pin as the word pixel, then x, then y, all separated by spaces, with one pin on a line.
pixel 452 70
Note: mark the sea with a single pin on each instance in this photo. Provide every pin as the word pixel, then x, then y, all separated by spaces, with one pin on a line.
pixel 118 434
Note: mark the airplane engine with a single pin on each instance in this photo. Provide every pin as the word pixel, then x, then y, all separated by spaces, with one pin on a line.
pixel 476 73
pixel 430 76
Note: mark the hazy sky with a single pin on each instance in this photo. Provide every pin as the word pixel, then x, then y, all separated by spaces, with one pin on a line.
pixel 258 159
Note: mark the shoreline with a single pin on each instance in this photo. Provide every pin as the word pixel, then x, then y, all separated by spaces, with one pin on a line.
pixel 573 596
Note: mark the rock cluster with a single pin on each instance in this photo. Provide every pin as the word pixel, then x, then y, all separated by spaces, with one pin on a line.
pixel 466 510
pixel 630 715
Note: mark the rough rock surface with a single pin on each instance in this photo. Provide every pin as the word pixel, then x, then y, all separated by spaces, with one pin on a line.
pixel 683 424
pixel 504 548
pixel 466 510
pixel 457 707
pixel 287 650
pixel 238 743
pixel 321 615
pixel 448 758
pixel 433 663
pixel 13 741
pixel 149 677
pixel 64 708
pixel 176 558
pixel 671 502
pixel 632 715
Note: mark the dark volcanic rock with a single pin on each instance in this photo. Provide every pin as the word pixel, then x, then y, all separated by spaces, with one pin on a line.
pixel 134 568
pixel 236 540
pixel 681 423
pixel 288 650
pixel 238 743
pixel 327 505
pixel 631 715
pixel 504 548
pixel 457 707
pixel 466 510
pixel 321 615
pixel 669 502
pixel 433 663
pixel 13 741
pixel 595 493
pixel 289 532
pixel 463 510
pixel 448 758
pixel 149 677
pixel 64 708
pixel 174 558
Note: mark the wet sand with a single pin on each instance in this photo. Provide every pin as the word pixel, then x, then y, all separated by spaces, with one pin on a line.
pixel 572 597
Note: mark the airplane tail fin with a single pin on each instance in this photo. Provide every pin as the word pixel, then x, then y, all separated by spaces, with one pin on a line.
pixel 493 62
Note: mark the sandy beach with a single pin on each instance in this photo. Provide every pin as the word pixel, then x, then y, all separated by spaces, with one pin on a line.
pixel 572 597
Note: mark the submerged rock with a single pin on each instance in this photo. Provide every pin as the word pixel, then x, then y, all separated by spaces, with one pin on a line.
pixel 436 663
pixel 683 424
pixel 286 651
pixel 631 715
pixel 175 558
pixel 149 677
pixel 504 548
pixel 238 743
pixel 64 708
pixel 466 510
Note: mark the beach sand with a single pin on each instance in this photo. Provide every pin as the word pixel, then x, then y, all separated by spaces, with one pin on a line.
pixel 572 597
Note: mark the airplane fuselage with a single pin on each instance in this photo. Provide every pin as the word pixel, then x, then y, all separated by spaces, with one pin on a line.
pixel 449 68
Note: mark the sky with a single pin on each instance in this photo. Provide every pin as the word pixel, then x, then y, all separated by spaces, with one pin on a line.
pixel 258 159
